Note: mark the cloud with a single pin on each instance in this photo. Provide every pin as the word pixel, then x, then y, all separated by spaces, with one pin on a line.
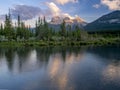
pixel 67 15
pixel 26 12
pixel 62 2
pixel 31 22
pixel 53 8
pixel 96 6
pixel 111 4
pixel 2 17
pixel 29 14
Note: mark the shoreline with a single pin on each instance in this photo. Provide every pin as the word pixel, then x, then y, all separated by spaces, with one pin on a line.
pixel 115 41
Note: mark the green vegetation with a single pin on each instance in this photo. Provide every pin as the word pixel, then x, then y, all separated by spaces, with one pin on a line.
pixel 21 35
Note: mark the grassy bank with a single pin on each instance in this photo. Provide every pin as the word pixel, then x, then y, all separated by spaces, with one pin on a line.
pixel 100 42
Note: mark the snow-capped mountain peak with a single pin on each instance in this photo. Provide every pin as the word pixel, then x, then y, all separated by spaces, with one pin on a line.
pixel 68 20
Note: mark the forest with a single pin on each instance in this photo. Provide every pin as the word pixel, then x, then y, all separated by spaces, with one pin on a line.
pixel 21 32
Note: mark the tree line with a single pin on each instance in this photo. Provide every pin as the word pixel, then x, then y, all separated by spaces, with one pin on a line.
pixel 42 31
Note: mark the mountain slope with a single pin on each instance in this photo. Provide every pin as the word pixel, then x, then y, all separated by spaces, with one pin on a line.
pixel 109 22
pixel 57 21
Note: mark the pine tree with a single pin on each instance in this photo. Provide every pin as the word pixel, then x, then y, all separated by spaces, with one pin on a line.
pixel 42 30
pixel 8 28
pixel 39 31
pixel 69 31
pixel 46 30
pixel 63 29
pixel 77 33
pixel 19 31
pixel 36 29
pixel 1 30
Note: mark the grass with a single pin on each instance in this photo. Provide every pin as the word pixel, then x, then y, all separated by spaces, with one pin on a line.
pixel 100 42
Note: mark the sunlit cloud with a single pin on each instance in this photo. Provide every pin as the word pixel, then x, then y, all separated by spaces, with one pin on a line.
pixel 55 10
pixel 62 2
pixel 111 4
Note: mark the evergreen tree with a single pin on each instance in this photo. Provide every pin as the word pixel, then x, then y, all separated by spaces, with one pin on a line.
pixel 47 31
pixel 8 28
pixel 24 31
pixel 40 29
pixel 1 30
pixel 69 31
pixel 19 30
pixel 36 29
pixel 63 29
pixel 78 33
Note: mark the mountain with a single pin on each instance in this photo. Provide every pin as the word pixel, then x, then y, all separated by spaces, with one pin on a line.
pixel 57 21
pixel 108 22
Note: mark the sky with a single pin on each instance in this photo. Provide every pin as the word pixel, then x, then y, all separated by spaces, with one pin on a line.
pixel 29 10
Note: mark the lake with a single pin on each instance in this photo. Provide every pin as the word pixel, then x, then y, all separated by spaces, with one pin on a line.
pixel 60 68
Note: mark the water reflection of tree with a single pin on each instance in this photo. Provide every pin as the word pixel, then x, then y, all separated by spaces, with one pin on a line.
pixel 64 50
pixel 10 54
pixel 108 52
pixel 57 71
pixel 2 52
pixel 23 53
pixel 20 56
pixel 44 53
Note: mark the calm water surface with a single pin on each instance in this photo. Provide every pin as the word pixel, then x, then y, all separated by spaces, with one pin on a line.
pixel 60 68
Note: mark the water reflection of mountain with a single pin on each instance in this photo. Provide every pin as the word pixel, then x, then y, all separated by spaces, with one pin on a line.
pixel 108 52
pixel 57 71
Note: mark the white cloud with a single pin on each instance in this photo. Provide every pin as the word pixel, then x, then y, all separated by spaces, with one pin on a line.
pixel 65 1
pixel 31 22
pixel 67 15
pixel 112 4
pixel 26 12
pixel 54 9
pixel 96 5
